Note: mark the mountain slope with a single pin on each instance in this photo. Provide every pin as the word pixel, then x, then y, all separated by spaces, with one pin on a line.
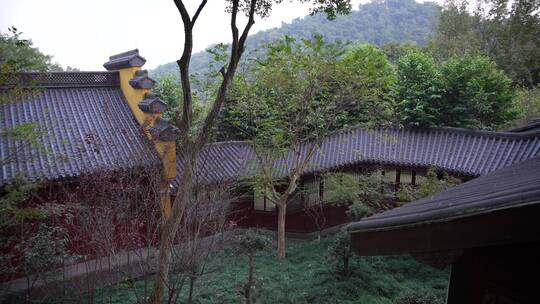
pixel 378 22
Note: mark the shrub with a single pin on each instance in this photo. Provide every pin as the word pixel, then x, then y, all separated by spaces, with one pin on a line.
pixel 340 252
pixel 357 211
pixel 418 297
pixel 248 244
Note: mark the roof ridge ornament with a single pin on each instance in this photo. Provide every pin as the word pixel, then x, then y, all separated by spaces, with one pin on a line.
pixel 141 80
pixel 125 60
pixel 163 130
pixel 152 103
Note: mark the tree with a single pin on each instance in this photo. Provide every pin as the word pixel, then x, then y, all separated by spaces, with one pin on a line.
pixel 19 55
pixel 202 229
pixel 373 78
pixel 315 209
pixel 528 103
pixel 248 243
pixel 340 252
pixel 168 89
pixel 419 90
pixel 506 31
pixel 467 91
pixel 394 51
pixel 365 71
pixel 300 93
pixel 477 94
pixel 363 194
pixel 377 22
pixel 190 143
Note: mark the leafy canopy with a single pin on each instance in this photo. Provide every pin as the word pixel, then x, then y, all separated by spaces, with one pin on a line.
pixel 305 88
pixel 467 91
pixel 19 55
pixel 506 31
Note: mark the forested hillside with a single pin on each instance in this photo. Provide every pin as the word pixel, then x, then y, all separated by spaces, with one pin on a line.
pixel 378 22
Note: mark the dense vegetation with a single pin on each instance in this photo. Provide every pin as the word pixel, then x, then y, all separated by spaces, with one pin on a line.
pixel 378 22
pixel 479 70
pixel 308 277
pixel 20 55
pixel 506 31
pixel 364 87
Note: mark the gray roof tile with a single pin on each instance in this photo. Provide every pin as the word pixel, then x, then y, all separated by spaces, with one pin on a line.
pixel 87 128
pixel 459 151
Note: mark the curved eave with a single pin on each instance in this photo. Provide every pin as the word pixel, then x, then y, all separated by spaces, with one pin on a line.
pixel 489 210
pixel 518 224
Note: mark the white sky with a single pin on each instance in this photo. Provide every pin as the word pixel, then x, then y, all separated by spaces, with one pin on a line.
pixel 83 34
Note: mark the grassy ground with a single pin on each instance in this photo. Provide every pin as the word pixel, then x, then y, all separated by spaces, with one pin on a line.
pixel 307 277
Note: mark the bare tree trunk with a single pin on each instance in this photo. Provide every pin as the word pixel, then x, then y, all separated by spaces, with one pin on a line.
pixel 282 209
pixel 191 285
pixel 162 275
pixel 249 283
pixel 346 270
pixel 192 148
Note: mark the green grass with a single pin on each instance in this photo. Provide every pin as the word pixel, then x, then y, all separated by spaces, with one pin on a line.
pixel 307 277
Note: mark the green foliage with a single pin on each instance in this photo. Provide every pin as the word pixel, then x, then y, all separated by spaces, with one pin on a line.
pixel 305 277
pixel 169 89
pixel 250 241
pixel 467 91
pixel 12 209
pixel 361 193
pixel 340 252
pixel 394 50
pixel 528 105
pixel 19 55
pixel 371 63
pixel 28 134
pixel 358 211
pixel 419 297
pixel 477 94
pixel 304 89
pixel 419 90
pixel 341 188
pixel 506 31
pixel 45 250
pixel 427 185
pixel 374 77
pixel 456 32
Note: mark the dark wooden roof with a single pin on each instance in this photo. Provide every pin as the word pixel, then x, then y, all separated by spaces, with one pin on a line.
pixel 459 151
pixel 489 209
pixel 509 187
pixel 87 123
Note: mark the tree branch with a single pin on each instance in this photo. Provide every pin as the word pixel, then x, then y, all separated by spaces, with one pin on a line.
pixel 198 12
pixel 236 53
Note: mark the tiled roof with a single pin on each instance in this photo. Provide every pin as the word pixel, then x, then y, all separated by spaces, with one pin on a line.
pixel 88 126
pixel 459 151
pixel 513 186
pixel 217 162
